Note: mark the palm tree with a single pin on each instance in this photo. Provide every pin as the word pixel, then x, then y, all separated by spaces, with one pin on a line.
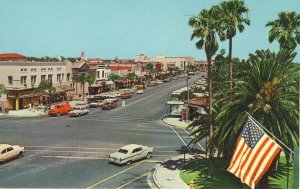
pixel 114 78
pixel 74 81
pixel 46 88
pixel 204 27
pixel 285 29
pixel 2 89
pixel 131 77
pixel 90 79
pixel 220 61
pixel 149 68
pixel 268 91
pixel 233 18
pixel 82 78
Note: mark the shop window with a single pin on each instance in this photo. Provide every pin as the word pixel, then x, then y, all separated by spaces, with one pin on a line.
pixel 50 77
pixel 23 79
pixel 33 79
pixel 10 80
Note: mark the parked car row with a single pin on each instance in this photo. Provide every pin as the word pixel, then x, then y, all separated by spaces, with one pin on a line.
pixel 76 109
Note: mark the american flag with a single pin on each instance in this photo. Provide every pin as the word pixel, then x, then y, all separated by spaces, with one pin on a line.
pixel 253 154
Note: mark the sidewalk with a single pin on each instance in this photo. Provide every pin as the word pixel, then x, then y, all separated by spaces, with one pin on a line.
pixel 175 122
pixel 166 175
pixel 24 113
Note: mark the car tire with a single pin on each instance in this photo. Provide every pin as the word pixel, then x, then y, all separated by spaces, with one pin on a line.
pixel 129 162
pixel 149 155
pixel 20 154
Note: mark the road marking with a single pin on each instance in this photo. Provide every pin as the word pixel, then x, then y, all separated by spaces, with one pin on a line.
pixel 75 157
pixel 153 161
pixel 134 179
pixel 16 162
pixel 69 147
pixel 63 151
pixel 180 138
pixel 193 137
pixel 94 158
pixel 114 175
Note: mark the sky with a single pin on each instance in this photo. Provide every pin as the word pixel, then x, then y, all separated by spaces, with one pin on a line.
pixel 124 28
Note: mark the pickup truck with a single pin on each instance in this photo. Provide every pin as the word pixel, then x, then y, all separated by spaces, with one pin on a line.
pixel 60 109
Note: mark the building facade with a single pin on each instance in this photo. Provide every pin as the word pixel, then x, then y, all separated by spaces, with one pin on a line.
pixel 167 63
pixel 20 78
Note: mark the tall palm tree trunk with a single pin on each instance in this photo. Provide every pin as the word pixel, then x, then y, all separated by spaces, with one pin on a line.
pixel 230 67
pixel 83 86
pixel 210 161
pixel 76 87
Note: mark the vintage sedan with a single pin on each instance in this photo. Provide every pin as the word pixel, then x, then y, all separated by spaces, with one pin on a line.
pixel 8 152
pixel 109 105
pixel 78 111
pixel 96 104
pixel 130 153
pixel 140 91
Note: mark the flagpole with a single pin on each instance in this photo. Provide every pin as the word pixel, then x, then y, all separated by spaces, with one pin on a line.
pixel 260 126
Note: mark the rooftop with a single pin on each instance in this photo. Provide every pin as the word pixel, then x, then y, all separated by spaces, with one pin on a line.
pixel 12 55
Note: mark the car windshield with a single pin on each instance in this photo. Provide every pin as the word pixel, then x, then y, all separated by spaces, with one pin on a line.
pixel 123 151
pixel 76 108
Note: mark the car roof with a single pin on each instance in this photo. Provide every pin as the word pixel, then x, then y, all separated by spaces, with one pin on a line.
pixel 4 146
pixel 130 147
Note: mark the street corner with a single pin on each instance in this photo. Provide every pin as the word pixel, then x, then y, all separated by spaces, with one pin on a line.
pixel 175 122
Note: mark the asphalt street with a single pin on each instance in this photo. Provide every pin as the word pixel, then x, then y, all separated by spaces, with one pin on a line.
pixel 64 152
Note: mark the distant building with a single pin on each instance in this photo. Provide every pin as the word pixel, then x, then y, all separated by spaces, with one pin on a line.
pixel 103 73
pixel 120 69
pixel 179 63
pixel 12 57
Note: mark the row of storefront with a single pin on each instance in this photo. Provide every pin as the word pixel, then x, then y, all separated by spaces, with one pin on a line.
pixel 26 98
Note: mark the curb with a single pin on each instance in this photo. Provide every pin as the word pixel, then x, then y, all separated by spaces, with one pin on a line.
pixel 155 180
pixel 23 116
pixel 182 127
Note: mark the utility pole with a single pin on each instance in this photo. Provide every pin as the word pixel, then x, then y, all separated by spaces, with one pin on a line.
pixel 188 96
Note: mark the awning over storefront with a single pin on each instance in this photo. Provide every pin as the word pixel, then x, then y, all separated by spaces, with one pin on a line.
pixel 63 88
pixel 96 85
pixel 198 102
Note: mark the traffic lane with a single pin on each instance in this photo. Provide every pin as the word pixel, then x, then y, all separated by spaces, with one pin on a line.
pixel 186 137
pixel 48 171
pixel 98 133
pixel 125 176
pixel 140 181
pixel 56 173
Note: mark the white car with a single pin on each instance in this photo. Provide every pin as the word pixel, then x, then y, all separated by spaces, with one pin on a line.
pixel 130 153
pixel 78 111
pixel 8 152
pixel 140 91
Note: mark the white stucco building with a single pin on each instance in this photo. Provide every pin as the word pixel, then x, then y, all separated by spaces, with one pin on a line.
pixel 20 78
pixel 168 62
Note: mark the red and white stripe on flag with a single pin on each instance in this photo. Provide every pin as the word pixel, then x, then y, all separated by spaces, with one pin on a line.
pixel 253 155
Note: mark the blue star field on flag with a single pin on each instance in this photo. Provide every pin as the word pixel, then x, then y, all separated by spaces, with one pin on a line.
pixel 251 133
